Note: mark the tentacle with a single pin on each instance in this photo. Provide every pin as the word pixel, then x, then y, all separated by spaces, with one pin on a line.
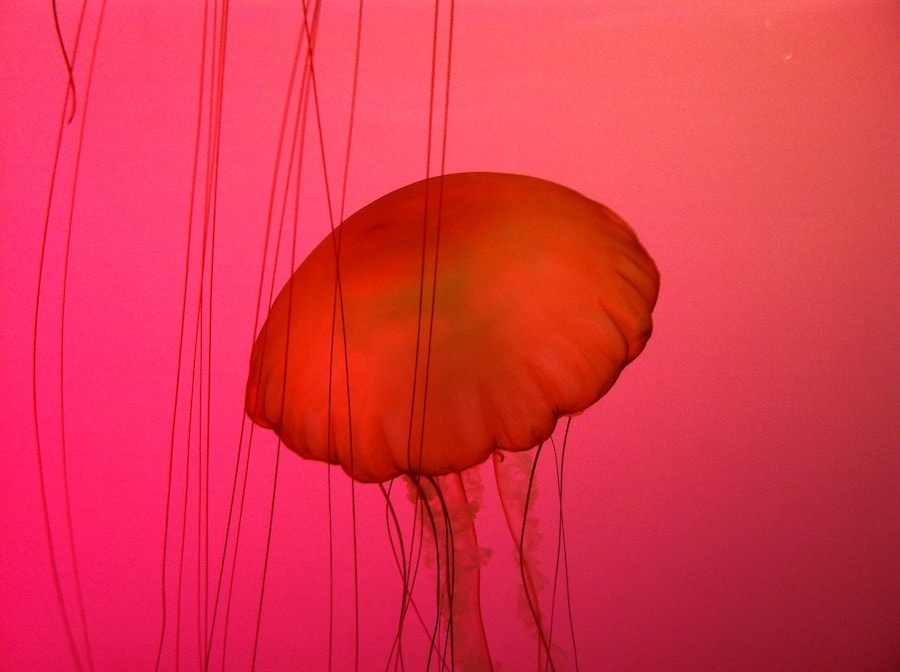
pixel 514 472
pixel 459 573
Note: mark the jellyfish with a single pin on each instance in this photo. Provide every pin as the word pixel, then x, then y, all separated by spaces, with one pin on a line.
pixel 452 322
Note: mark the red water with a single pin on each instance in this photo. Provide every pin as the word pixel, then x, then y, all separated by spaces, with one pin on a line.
pixel 731 504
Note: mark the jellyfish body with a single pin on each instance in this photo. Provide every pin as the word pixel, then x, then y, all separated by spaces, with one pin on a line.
pixel 455 317
pixel 386 364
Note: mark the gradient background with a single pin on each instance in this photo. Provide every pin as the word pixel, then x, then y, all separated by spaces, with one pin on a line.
pixel 732 504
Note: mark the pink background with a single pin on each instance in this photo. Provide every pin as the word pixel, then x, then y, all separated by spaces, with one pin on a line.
pixel 732 504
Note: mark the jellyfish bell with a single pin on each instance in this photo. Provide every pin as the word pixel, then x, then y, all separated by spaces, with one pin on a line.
pixel 453 317
pixel 458 317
